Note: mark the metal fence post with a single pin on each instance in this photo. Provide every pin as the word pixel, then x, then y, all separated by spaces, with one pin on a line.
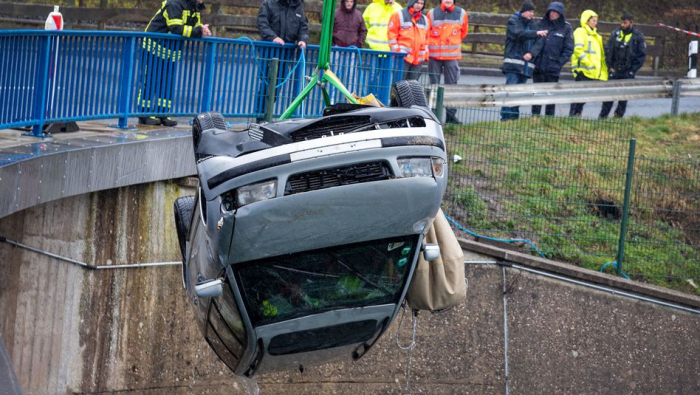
pixel 676 97
pixel 41 86
pixel 128 52
pixel 271 82
pixel 626 205
pixel 208 84
pixel 439 109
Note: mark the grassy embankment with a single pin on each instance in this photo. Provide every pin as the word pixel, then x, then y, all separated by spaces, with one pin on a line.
pixel 560 183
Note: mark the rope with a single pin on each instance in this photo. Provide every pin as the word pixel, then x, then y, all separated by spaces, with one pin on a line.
pixel 301 59
pixel 679 30
pixel 614 263
pixel 528 242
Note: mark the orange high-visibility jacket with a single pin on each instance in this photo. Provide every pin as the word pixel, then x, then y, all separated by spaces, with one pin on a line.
pixel 409 36
pixel 447 30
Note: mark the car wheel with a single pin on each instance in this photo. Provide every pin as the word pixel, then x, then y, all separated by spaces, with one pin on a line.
pixel 205 121
pixel 407 93
pixel 184 207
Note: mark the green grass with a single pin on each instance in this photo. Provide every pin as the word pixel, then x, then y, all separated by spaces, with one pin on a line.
pixel 560 183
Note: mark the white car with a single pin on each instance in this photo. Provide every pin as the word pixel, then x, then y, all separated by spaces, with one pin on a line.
pixel 301 241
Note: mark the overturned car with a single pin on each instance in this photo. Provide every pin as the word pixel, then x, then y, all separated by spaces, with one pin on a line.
pixel 301 241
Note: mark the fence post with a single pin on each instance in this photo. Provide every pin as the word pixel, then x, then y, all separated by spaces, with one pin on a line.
pixel 626 205
pixel 128 52
pixel 271 82
pixel 41 86
pixel 693 59
pixel 676 97
pixel 208 84
pixel 438 106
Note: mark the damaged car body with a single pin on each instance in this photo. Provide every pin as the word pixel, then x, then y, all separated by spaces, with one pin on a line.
pixel 303 235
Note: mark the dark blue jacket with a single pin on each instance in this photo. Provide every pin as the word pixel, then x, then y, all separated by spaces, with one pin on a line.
pixel 552 52
pixel 520 37
pixel 625 52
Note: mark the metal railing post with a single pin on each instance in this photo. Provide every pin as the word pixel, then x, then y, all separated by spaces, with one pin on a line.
pixel 676 97
pixel 439 109
pixel 41 87
pixel 271 82
pixel 208 84
pixel 626 206
pixel 128 53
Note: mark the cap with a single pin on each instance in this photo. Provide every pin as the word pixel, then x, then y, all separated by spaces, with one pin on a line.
pixel 527 6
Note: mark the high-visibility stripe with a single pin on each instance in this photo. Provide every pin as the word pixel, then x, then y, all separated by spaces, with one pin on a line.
pixel 369 40
pixel 405 49
pixel 187 32
pixel 378 25
pixel 171 22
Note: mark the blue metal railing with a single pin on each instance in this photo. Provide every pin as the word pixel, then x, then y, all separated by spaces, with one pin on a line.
pixel 48 76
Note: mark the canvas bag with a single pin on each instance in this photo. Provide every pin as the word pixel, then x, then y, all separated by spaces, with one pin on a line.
pixel 439 284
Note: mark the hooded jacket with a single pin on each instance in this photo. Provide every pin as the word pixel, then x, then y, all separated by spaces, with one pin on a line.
pixel 348 27
pixel 180 17
pixel 520 37
pixel 376 18
pixel 284 19
pixel 589 56
pixel 552 52
pixel 408 33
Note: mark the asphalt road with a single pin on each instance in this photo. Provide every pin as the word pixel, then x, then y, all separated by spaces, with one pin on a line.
pixel 641 108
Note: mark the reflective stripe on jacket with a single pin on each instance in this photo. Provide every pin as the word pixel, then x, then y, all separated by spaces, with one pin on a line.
pixel 409 36
pixel 376 18
pixel 447 30
pixel 589 56
pixel 180 17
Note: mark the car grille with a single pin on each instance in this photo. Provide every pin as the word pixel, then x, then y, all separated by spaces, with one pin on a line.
pixel 328 178
pixel 328 127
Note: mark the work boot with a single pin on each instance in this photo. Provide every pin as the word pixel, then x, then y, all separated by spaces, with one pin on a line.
pixel 166 121
pixel 153 121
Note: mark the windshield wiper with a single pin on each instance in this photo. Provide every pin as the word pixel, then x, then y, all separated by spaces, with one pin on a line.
pixel 305 272
pixel 360 275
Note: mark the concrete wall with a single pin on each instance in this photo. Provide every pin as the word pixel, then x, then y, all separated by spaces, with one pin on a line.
pixel 71 330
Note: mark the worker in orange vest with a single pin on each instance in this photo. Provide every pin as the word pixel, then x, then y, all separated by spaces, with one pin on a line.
pixel 408 33
pixel 448 27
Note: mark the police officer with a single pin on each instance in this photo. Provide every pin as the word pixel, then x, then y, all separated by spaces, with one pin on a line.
pixel 376 18
pixel 448 27
pixel 408 33
pixel 588 60
pixel 625 53
pixel 179 17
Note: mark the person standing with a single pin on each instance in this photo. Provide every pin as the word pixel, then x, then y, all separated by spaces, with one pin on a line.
pixel 178 17
pixel 281 22
pixel 517 58
pixel 376 18
pixel 588 60
pixel 553 51
pixel 448 27
pixel 625 53
pixel 348 26
pixel 408 33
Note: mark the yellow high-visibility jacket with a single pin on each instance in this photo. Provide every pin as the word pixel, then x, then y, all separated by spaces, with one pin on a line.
pixel 589 54
pixel 376 18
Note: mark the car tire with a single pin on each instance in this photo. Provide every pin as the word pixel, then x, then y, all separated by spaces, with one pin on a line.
pixel 205 121
pixel 406 94
pixel 183 207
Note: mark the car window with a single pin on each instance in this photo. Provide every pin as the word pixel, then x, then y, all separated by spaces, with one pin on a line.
pixel 225 331
pixel 295 285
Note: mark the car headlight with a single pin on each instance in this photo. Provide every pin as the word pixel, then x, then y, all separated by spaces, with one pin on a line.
pixel 248 194
pixel 421 167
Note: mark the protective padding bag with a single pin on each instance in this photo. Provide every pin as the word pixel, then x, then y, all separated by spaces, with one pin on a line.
pixel 439 284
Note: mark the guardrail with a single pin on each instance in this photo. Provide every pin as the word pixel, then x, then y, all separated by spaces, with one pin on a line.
pixel 69 76
pixel 486 96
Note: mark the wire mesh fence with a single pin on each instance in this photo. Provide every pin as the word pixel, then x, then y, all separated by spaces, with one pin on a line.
pixel 560 182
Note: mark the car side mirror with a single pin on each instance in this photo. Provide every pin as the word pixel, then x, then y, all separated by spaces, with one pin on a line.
pixel 431 252
pixel 209 288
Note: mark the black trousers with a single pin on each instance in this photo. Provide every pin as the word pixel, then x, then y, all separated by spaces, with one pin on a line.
pixel 157 86
pixel 621 105
pixel 577 108
pixel 540 77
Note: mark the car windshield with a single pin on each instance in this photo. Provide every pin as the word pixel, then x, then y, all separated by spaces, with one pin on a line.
pixel 310 282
